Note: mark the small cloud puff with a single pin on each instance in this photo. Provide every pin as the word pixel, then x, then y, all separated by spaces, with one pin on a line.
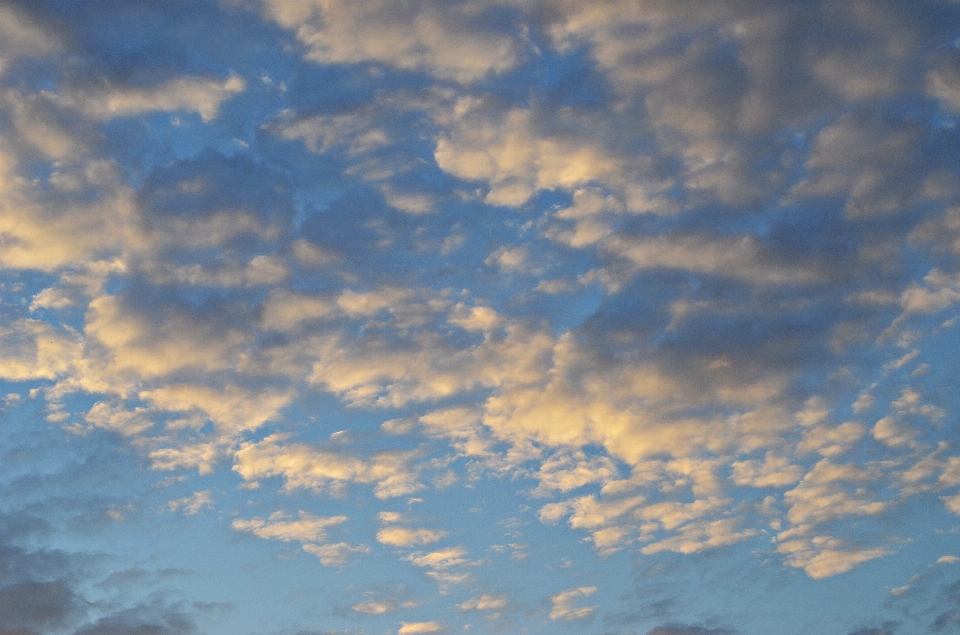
pixel 563 608
pixel 336 554
pixel 404 537
pixel 485 602
pixel 308 528
pixel 194 504
pixel 413 628
pixel 375 607
pixel 201 95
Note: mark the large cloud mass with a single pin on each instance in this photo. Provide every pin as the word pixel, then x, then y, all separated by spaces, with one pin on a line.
pixel 674 278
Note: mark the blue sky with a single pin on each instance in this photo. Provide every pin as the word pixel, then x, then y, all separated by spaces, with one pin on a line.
pixel 522 316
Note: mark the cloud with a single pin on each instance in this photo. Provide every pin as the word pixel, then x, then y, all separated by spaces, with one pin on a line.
pixel 485 602
pixel 825 556
pixel 773 471
pixel 375 607
pixel 444 565
pixel 307 528
pixel 404 537
pixel 871 163
pixel 507 259
pixel 193 504
pixel 565 472
pixel 23 37
pixel 284 310
pixel 741 258
pixel 46 228
pixel 562 604
pixel 32 349
pixel 37 605
pixel 476 318
pixel 200 95
pixel 410 628
pixel 943 81
pixel 151 345
pixel 196 455
pixel 824 494
pixel 636 260
pixel 952 503
pixel 448 40
pixel 424 366
pixel 890 432
pixel 699 535
pixel 506 150
pixel 161 620
pixel 688 630
pixel 303 466
pixel 336 554
pixel 232 409
pixel 831 441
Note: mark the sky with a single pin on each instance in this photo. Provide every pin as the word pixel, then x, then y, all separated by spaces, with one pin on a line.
pixel 394 317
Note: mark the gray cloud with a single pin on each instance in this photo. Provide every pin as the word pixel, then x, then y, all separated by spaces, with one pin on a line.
pixel 689 630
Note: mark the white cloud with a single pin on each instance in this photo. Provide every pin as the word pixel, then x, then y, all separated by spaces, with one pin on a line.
pixel 45 230
pixel 151 346
pixel 952 503
pixel 939 291
pixel 699 535
pixel 259 271
pixel 233 409
pixel 404 537
pixel 485 602
pixel 193 504
pixel 22 37
pixel 375 607
pixel 891 432
pixel 413 203
pixel 825 556
pixel 564 472
pixel 831 491
pixel 773 471
pixel 447 40
pixel 831 441
pixel 201 95
pixel 412 628
pixel 444 565
pixel 508 258
pixel 31 349
pixel 740 258
pixel 284 311
pixel 506 150
pixel 308 528
pixel 199 456
pixel 336 554
pixel 563 608
pixel 52 298
pixel 112 416
pixel 303 466
pixel 476 318
pixel 944 82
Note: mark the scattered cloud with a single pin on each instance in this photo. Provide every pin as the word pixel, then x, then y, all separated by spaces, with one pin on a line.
pixel 194 504
pixel 562 604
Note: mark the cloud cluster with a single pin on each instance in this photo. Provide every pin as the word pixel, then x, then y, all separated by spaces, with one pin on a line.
pixel 679 274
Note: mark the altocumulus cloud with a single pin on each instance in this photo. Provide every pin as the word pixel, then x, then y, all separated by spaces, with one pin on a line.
pixel 492 307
